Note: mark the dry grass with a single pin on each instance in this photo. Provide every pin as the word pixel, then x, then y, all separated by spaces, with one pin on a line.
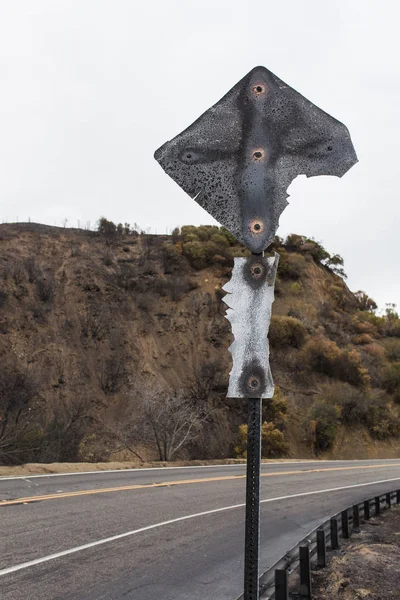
pixel 367 567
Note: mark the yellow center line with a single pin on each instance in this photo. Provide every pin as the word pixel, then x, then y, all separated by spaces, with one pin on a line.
pixel 29 499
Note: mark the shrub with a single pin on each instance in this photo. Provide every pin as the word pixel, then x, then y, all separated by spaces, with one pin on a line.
pixel 32 268
pixel 196 254
pixel 363 338
pixel 273 443
pixel 173 261
pixel 324 356
pixel 45 287
pixel 191 237
pixel 291 265
pixel 365 302
pixel 391 377
pixel 392 347
pixel 107 228
pixel 321 426
pixel 371 408
pixel 176 234
pixel 200 254
pixel 220 240
pixel 227 234
pixel 275 409
pixel 375 351
pixel 287 331
pixel 294 242
pixel 383 421
pixel 296 288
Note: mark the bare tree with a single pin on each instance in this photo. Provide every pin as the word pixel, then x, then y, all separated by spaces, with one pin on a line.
pixel 171 421
pixel 207 377
pixel 124 434
pixel 32 268
pixel 113 374
pixel 67 427
pixel 18 387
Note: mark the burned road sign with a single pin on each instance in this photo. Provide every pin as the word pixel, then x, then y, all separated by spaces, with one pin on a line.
pixel 238 159
pixel 250 297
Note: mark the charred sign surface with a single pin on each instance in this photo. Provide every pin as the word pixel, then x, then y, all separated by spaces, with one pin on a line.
pixel 250 297
pixel 238 159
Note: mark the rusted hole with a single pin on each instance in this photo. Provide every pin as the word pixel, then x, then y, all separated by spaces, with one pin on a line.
pixel 254 383
pixel 257 270
pixel 330 148
pixel 256 226
pixel 258 89
pixel 258 154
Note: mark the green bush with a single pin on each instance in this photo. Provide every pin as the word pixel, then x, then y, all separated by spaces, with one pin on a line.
pixel 291 265
pixel 231 238
pixel 392 347
pixel 191 237
pixel 391 377
pixel 275 409
pixel 273 443
pixel 220 240
pixel 324 356
pixel 189 230
pixel 173 261
pixel 371 408
pixel 286 331
pixel 201 254
pixel 383 421
pixel 196 254
pixel 321 426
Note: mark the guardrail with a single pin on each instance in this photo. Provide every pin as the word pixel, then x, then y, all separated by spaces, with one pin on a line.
pixel 312 550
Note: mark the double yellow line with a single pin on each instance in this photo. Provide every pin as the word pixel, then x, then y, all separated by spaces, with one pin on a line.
pixel 30 499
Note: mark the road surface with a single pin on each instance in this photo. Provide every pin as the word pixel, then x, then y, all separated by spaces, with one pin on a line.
pixel 170 534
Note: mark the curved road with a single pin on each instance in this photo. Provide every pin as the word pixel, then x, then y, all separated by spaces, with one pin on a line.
pixel 173 534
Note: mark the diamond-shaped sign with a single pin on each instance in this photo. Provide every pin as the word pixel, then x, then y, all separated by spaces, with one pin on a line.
pixel 238 159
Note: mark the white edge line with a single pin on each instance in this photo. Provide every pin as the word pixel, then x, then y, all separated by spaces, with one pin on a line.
pixel 120 536
pixel 140 470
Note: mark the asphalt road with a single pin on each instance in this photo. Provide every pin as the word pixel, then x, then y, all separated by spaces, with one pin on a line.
pixel 176 534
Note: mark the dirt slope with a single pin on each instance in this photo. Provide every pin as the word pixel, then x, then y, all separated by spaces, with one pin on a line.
pixel 90 323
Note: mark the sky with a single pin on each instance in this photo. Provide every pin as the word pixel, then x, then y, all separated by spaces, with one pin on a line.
pixel 91 88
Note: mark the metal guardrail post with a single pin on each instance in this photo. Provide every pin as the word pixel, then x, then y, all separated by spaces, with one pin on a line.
pixel 305 572
pixel 367 510
pixel 281 584
pixel 334 534
pixel 398 496
pixel 356 517
pixel 388 500
pixel 321 548
pixel 252 536
pixel 377 505
pixel 345 524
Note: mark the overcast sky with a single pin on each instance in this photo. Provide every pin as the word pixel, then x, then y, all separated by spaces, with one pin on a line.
pixel 90 88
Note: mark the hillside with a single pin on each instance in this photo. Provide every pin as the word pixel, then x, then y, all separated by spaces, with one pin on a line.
pixel 113 345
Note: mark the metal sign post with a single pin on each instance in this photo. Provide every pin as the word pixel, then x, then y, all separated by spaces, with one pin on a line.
pixel 252 534
pixel 237 161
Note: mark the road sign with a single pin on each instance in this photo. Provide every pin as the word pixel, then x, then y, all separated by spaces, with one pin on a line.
pixel 250 297
pixel 238 159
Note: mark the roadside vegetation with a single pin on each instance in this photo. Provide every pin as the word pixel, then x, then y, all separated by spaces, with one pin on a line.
pixel 114 346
